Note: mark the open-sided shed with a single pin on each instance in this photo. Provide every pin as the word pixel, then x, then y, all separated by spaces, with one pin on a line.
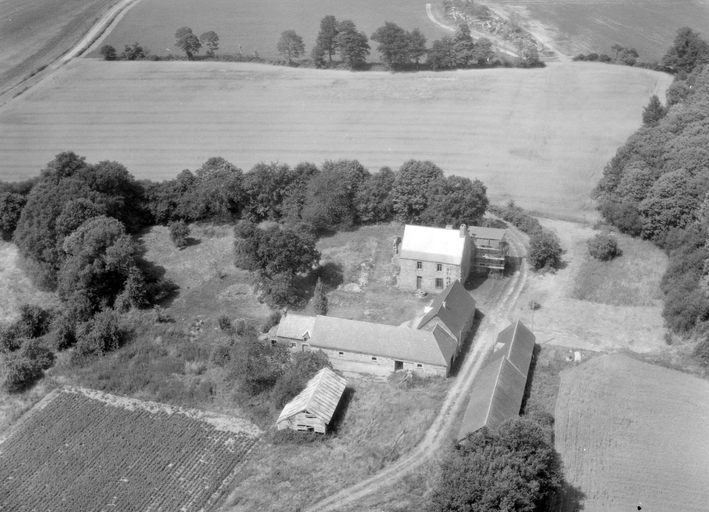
pixel 313 408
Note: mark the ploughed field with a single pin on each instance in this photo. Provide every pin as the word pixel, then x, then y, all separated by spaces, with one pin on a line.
pixel 634 435
pixel 540 136
pixel 86 450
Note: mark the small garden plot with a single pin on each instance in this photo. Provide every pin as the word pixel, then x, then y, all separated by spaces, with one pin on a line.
pixel 86 450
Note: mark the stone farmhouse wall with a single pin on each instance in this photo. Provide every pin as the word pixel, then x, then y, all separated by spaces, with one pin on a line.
pixel 429 272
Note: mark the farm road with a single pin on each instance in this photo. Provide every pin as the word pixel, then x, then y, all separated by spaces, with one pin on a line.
pixel 444 426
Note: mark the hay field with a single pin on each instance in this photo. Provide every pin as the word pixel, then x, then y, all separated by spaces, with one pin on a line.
pixel 257 24
pixel 33 34
pixel 577 26
pixel 634 435
pixel 541 136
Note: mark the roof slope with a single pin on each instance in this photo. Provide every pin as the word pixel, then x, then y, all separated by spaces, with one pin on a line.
pixel 453 306
pixel 518 346
pixel 319 398
pixel 433 244
pixel 487 233
pixel 333 333
pixel 295 326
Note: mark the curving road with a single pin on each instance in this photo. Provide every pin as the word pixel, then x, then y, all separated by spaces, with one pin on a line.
pixel 445 426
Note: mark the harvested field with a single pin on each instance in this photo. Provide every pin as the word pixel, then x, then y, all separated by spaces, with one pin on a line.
pixel 541 136
pixel 86 450
pixel 634 435
pixel 33 34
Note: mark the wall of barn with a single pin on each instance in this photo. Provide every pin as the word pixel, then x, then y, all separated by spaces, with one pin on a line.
pixel 303 422
pixel 342 356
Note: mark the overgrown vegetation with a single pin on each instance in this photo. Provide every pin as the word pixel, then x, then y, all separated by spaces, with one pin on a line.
pixel 603 247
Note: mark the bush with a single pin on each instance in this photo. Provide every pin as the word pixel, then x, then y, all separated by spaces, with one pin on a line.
pixel 545 250
pixel 18 371
pixel 592 57
pixel 179 233
pixel 108 52
pixel 37 352
pixel 273 319
pixel 701 352
pixel 604 58
pixel 604 247
pixel 64 332
pixel 224 323
pixel 221 355
pixel 100 335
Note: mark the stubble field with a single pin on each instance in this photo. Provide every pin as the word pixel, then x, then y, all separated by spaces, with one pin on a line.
pixel 539 136
pixel 634 435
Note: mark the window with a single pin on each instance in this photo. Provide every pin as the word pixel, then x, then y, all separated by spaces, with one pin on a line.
pixel 439 267
pixel 419 265
pixel 340 354
pixel 439 282
pixel 374 358
pixel 419 365
pixel 293 344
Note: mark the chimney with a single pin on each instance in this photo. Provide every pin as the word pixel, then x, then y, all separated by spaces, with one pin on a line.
pixel 449 226
pixel 463 230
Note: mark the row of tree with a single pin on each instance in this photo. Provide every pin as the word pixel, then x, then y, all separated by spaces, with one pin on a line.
pixel 185 40
pixel 657 184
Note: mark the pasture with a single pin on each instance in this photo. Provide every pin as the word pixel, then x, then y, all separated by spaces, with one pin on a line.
pixel 577 26
pixel 540 136
pixel 85 450
pixel 634 435
pixel 34 34
pixel 256 25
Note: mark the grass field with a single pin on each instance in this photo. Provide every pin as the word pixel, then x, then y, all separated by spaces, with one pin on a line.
pixel 578 26
pixel 541 136
pixel 634 435
pixel 256 25
pixel 85 450
pixel 33 34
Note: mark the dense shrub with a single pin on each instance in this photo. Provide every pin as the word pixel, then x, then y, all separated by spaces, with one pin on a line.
pixel 273 319
pixel 64 332
pixel 701 351
pixel 517 217
pixel 100 335
pixel 18 370
pixel 604 247
pixel 302 368
pixel 179 233
pixel 224 323
pixel 545 250
pixel 11 206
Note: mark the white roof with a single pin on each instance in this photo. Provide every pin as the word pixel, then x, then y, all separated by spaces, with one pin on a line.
pixel 319 398
pixel 433 244
pixel 295 326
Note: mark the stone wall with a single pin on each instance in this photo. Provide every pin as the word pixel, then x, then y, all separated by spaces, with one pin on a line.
pixel 429 273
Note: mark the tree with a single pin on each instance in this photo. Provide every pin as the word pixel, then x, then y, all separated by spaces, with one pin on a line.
pixel 290 45
pixel 133 52
pixel 514 468
pixel 456 200
pixel 302 367
pixel 416 43
pixel 179 231
pixel 11 206
pixel 18 370
pixel 463 46
pixel 604 247
pixel 100 335
pixel 353 46
pixel 412 188
pixel 373 201
pixel 319 299
pixel 545 250
pixel 393 44
pixel 653 112
pixel 211 41
pixel 108 52
pixel 327 38
pixel 442 54
pixel 483 51
pixel 687 52
pixel 187 42
pixel 265 188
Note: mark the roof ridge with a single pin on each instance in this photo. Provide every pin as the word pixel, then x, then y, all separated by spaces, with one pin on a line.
pixel 494 389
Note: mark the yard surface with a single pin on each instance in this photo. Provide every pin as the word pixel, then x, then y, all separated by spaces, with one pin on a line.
pixel 540 136
pixel 634 435
pixel 85 450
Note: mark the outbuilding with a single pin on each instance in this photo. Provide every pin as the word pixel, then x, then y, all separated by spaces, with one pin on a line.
pixel 454 311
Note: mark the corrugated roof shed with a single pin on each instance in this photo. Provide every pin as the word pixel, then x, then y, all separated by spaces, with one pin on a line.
pixel 453 306
pixel 433 244
pixel 487 233
pixel 499 387
pixel 295 326
pixel 435 347
pixel 319 398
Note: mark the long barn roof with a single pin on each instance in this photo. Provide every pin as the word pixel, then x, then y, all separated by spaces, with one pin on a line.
pixel 295 326
pixel 319 398
pixel 424 243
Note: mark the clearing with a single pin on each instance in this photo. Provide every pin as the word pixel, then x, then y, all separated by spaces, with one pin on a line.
pixel 92 451
pixel 634 435
pixel 541 136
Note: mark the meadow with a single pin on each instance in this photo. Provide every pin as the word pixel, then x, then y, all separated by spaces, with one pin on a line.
pixel 540 136
pixel 34 34
pixel 634 435
pixel 86 450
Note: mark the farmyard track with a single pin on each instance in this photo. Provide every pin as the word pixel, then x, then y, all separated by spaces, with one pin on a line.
pixel 445 424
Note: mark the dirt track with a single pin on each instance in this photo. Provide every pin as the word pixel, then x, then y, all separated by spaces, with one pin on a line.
pixel 445 425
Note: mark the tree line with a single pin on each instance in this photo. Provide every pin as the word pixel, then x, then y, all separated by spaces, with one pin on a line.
pixel 657 184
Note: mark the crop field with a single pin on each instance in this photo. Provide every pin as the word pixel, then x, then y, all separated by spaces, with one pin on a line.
pixel 33 34
pixel 541 136
pixel 256 25
pixel 581 26
pixel 634 435
pixel 85 450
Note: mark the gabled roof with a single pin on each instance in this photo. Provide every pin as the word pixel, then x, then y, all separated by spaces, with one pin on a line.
pixel 518 346
pixel 430 347
pixel 487 233
pixel 433 244
pixel 295 326
pixel 453 306
pixel 319 398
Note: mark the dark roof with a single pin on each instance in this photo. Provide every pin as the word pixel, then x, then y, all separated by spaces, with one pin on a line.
pixel 499 387
pixel 487 233
pixel 434 347
pixel 453 306
pixel 425 243
pixel 319 398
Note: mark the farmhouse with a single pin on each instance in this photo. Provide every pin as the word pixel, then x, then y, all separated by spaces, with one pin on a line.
pixel 489 249
pixel 432 258
pixel 313 408
pixel 499 387
pixel 295 329
pixel 453 310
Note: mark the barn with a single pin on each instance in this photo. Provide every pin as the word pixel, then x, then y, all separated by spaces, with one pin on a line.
pixel 295 330
pixel 313 408
pixel 498 389
pixel 453 310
